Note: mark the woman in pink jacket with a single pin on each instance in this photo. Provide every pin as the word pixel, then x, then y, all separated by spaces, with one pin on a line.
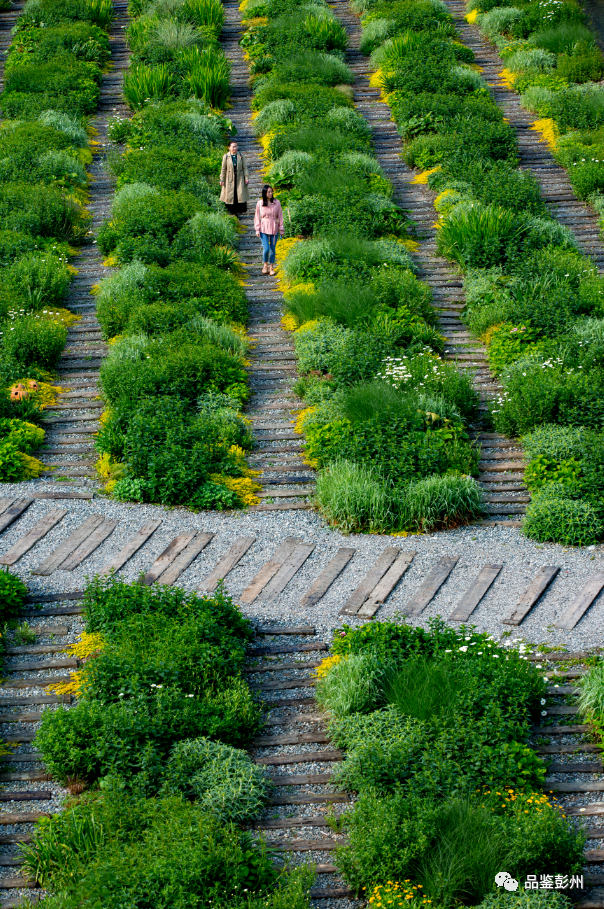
pixel 268 223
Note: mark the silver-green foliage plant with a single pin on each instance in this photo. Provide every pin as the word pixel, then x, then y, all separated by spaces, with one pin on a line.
pixel 222 780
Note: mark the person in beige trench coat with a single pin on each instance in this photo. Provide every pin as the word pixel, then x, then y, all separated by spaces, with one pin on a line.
pixel 234 180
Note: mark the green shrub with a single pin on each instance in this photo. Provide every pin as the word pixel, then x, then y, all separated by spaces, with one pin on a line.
pixel 12 595
pixel 353 498
pixel 222 780
pixel 167 669
pixel 440 501
pixel 479 236
pixel 46 213
pixel 584 64
pixel 526 899
pixel 142 83
pixel 130 861
pixel 34 340
pixel 553 515
pixel 208 78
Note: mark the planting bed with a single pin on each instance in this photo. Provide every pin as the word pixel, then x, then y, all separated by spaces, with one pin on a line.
pixel 46 156
pixel 389 457
pixel 546 368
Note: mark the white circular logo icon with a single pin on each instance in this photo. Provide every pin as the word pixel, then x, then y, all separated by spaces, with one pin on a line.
pixel 501 878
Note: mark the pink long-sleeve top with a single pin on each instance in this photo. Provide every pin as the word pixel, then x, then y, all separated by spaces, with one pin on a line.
pixel 268 218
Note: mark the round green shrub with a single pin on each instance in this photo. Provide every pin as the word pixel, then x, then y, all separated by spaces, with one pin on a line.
pixel 12 595
pixel 553 516
pixel 34 340
pixel 525 899
pixel 223 780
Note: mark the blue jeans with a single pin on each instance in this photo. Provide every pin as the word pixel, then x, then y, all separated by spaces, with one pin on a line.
pixel 269 245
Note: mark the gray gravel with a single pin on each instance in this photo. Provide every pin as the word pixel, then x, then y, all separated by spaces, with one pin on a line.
pixel 475 546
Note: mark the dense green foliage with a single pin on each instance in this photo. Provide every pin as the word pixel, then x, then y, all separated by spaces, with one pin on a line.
pixel 114 850
pixel 532 297
pixel 434 724
pixel 12 595
pixel 387 416
pixel 175 378
pixel 162 704
pixel 52 75
pixel 167 668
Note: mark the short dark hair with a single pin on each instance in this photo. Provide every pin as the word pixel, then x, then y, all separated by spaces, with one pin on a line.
pixel 233 142
pixel 265 190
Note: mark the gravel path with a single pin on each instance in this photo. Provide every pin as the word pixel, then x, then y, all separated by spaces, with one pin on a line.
pixel 474 547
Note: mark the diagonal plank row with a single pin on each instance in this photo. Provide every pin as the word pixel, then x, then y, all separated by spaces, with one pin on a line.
pixel 289 557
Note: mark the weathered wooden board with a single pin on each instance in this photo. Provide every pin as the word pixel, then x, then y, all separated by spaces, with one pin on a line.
pixel 227 563
pixel 475 593
pixel 533 592
pixel 384 588
pixel 33 536
pixel 292 564
pixel 582 602
pixel 269 570
pixel 131 547
pixel 431 586
pixel 87 546
pixel 69 546
pixel 185 558
pixel 330 573
pixel 369 582
pixel 167 556
pixel 13 511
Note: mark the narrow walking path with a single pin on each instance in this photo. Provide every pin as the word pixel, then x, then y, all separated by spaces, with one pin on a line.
pixel 502 464
pixel 28 793
pixel 278 454
pixel 69 451
pixel 8 18
pixel 535 154
pixel 576 774
pixel 295 821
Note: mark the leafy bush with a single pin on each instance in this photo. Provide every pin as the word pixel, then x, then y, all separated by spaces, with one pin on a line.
pixel 34 340
pixel 121 851
pixel 222 780
pixel 12 595
pixel 555 515
pixel 434 724
pixel 167 669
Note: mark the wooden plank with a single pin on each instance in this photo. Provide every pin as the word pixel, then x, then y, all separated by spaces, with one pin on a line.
pixel 5 503
pixel 68 546
pixel 288 629
pixel 37 532
pixel 533 592
pixel 227 563
pixel 269 570
pixel 13 511
pixel 330 573
pixel 54 597
pixel 185 558
pixel 23 817
pixel 370 581
pixel 305 757
pixel 166 557
pixel 383 589
pixel 582 602
pixel 131 547
pixel 475 593
pixel 431 586
pixel 292 564
pixel 88 546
